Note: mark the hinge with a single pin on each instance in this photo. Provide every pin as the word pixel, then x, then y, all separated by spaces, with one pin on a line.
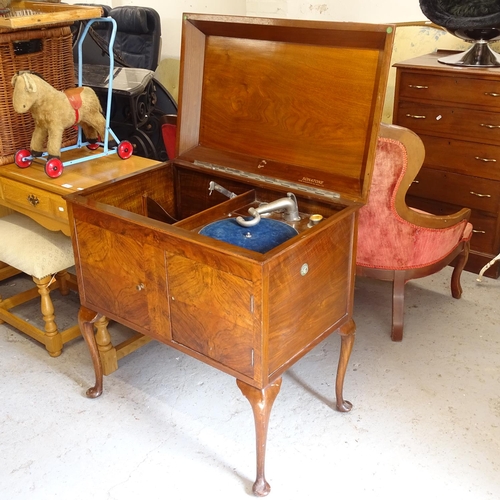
pixel 252 357
pixel 268 180
pixel 252 304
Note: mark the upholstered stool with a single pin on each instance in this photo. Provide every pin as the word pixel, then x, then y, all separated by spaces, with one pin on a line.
pixel 7 271
pixel 45 256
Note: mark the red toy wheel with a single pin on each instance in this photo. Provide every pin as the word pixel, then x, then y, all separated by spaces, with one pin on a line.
pixel 23 158
pixel 125 150
pixel 54 167
pixel 94 145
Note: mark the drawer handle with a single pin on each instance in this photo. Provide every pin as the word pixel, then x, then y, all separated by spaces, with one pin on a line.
pixel 486 125
pixel 417 117
pixel 415 182
pixel 479 195
pixel 478 231
pixel 33 200
pixel 485 159
pixel 492 94
pixel 418 86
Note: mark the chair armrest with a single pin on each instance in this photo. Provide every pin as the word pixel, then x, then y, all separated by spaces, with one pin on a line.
pixel 431 221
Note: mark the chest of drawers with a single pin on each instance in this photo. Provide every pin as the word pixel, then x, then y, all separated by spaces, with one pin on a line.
pixel 456 112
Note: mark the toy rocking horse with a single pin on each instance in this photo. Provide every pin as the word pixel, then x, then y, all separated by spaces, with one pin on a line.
pixel 54 111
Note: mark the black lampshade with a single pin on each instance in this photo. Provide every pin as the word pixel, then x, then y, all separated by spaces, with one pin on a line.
pixel 475 21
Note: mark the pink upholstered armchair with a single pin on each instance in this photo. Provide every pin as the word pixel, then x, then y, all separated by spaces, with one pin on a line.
pixel 397 243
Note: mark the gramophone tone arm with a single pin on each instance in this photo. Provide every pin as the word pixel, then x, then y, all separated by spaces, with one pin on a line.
pixel 289 204
pixel 222 190
pixel 252 222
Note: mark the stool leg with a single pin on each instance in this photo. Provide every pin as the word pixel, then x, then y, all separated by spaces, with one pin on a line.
pixel 53 339
pixel 62 277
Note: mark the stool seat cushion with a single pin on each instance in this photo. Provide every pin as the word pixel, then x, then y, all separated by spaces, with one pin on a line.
pixel 34 250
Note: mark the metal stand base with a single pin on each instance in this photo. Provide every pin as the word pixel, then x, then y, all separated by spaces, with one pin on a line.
pixel 479 55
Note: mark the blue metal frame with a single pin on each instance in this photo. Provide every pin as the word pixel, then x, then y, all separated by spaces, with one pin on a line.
pixel 80 143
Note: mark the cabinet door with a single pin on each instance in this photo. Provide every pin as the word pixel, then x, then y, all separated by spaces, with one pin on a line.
pixel 112 278
pixel 212 312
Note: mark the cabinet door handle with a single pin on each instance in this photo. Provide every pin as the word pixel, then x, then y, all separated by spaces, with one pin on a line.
pixel 417 117
pixel 478 231
pixel 486 125
pixel 33 200
pixel 140 287
pixel 479 195
pixel 492 94
pixel 485 159
pixel 418 86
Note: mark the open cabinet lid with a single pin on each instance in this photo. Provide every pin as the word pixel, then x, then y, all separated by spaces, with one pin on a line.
pixel 296 103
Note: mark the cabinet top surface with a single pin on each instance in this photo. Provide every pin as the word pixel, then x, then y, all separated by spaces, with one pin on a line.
pixel 430 62
pixel 78 176
pixel 298 101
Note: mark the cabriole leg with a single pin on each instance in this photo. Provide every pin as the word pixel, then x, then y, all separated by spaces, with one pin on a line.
pixel 261 402
pixel 347 333
pixel 461 260
pixel 86 320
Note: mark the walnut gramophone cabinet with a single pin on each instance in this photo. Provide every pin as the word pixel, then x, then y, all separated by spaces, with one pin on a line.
pixel 240 252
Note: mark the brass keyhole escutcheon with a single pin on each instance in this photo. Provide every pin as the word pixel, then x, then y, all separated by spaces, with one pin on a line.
pixel 33 200
pixel 140 287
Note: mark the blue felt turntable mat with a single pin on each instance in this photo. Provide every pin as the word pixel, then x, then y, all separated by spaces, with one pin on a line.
pixel 262 237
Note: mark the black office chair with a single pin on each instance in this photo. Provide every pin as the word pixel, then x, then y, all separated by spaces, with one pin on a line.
pixel 475 21
pixel 137 40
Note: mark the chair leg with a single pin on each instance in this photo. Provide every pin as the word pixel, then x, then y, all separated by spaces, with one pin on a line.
pixel 461 260
pixel 53 339
pixel 398 300
pixel 62 277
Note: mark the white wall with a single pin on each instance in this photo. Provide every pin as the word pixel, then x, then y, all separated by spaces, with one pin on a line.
pixel 382 11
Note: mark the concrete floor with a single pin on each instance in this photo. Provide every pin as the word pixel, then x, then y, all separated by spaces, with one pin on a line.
pixel 425 422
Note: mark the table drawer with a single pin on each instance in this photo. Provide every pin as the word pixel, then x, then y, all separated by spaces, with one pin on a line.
pixel 463 157
pixel 37 201
pixel 455 89
pixel 457 189
pixel 446 121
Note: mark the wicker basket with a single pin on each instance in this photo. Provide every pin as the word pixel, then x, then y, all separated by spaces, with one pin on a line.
pixel 48 52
